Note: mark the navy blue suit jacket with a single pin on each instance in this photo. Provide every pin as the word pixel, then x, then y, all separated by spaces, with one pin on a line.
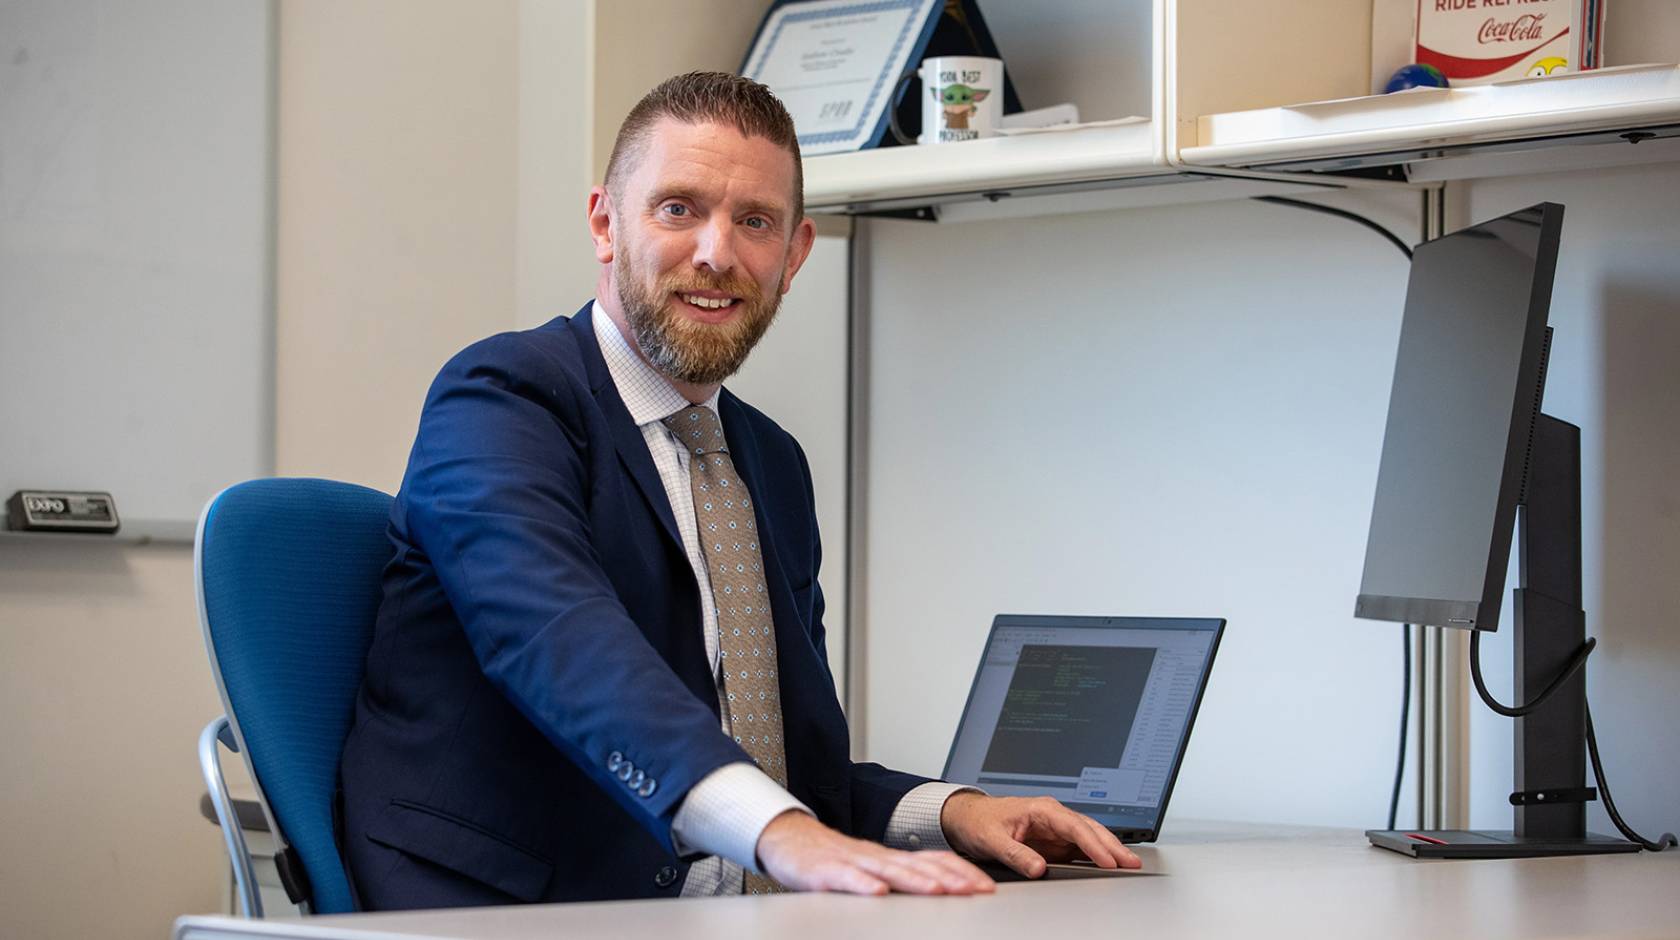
pixel 539 618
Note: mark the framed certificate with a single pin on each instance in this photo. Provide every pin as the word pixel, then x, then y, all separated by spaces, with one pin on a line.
pixel 836 64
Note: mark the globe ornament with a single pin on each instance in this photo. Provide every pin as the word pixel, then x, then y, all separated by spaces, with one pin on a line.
pixel 1415 76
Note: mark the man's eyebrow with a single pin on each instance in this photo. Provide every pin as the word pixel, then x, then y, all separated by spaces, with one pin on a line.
pixel 658 196
pixel 774 210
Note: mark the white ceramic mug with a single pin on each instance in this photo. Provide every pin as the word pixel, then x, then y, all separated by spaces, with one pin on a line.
pixel 963 98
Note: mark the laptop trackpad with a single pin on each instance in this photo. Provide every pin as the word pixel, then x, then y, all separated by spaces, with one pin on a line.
pixel 1059 871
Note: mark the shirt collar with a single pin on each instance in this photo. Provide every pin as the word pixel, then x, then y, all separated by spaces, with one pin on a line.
pixel 647 395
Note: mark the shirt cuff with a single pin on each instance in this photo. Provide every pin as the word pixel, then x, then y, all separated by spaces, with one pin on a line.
pixel 915 820
pixel 725 813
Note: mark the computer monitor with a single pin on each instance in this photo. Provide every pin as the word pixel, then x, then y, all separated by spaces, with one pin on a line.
pixel 1467 387
pixel 1466 456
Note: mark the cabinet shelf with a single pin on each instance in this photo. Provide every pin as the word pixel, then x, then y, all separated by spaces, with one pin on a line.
pixel 1606 106
pixel 1080 170
pixel 892 178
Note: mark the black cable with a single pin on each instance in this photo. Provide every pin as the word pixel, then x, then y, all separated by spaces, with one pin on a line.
pixel 1340 214
pixel 1518 711
pixel 1405 713
pixel 1666 842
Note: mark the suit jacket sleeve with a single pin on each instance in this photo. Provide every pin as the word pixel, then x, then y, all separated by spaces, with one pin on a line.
pixel 498 494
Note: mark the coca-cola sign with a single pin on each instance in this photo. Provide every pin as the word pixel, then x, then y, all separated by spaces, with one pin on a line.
pixel 1476 41
pixel 1525 28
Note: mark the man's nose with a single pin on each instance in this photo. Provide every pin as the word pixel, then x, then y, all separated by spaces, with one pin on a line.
pixel 715 245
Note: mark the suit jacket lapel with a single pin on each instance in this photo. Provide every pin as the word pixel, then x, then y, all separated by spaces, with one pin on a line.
pixel 627 438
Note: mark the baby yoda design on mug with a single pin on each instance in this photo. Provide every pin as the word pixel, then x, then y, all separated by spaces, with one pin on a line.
pixel 958 101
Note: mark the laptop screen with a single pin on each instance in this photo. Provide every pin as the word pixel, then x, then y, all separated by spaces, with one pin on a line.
pixel 1094 711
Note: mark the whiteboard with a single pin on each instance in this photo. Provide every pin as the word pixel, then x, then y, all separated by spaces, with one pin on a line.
pixel 136 220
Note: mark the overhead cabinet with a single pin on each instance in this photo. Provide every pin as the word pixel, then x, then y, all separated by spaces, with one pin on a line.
pixel 1240 98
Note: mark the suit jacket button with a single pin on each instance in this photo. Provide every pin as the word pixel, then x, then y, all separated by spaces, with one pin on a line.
pixel 666 877
pixel 613 760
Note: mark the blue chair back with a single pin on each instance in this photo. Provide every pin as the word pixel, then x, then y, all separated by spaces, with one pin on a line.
pixel 288 575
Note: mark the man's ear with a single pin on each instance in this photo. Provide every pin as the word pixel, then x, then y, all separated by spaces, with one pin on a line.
pixel 804 236
pixel 600 223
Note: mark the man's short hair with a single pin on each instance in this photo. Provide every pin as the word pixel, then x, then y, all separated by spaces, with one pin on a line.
pixel 712 97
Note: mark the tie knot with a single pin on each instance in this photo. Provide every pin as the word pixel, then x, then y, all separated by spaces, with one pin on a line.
pixel 698 429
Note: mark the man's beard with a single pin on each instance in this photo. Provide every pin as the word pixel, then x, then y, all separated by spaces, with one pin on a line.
pixel 685 349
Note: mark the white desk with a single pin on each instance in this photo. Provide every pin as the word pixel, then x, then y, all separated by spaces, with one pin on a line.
pixel 1207 880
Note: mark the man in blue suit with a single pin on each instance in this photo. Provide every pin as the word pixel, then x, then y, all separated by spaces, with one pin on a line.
pixel 599 668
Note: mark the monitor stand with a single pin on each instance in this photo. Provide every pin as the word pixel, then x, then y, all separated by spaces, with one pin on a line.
pixel 1551 793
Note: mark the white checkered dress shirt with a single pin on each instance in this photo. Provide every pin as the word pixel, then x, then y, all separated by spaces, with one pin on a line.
pixel 726 811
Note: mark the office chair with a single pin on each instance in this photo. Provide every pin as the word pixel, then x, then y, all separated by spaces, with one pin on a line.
pixel 288 575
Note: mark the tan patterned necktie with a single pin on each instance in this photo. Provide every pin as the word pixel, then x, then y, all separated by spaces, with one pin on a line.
pixel 746 633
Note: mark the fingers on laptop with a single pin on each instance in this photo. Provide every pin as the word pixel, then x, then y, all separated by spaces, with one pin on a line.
pixel 1056 823
pixel 1124 857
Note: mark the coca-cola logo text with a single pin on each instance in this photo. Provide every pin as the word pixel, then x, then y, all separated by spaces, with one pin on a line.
pixel 1525 28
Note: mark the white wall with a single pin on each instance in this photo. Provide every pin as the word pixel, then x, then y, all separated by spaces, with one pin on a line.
pixel 1171 412
pixel 135 233
pixel 1180 411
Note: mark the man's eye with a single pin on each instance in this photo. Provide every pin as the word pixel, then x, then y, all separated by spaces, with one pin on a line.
pixel 757 222
pixel 677 209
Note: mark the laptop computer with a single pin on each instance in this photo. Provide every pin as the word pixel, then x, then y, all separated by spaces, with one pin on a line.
pixel 1094 711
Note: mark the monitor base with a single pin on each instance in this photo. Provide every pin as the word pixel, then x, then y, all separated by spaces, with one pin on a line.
pixel 1490 843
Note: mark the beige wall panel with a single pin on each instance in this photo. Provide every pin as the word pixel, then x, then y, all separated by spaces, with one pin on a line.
pixel 1236 56
pixel 556 264
pixel 1637 32
pixel 104 687
pixel 639 43
pixel 398 178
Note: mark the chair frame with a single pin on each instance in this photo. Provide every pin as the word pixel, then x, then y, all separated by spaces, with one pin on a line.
pixel 224 729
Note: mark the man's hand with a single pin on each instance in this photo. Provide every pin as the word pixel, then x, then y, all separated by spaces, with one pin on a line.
pixel 805 855
pixel 1026 833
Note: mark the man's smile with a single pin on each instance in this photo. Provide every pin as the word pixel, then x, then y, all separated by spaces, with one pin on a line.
pixel 707 306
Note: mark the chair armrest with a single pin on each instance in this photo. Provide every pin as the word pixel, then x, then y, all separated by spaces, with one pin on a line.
pixel 233 835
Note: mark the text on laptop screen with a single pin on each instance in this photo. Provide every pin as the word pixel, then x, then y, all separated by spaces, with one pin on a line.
pixel 1092 711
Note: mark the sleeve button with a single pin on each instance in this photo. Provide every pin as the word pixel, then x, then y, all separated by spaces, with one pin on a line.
pixel 625 770
pixel 648 788
pixel 636 779
pixel 613 760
